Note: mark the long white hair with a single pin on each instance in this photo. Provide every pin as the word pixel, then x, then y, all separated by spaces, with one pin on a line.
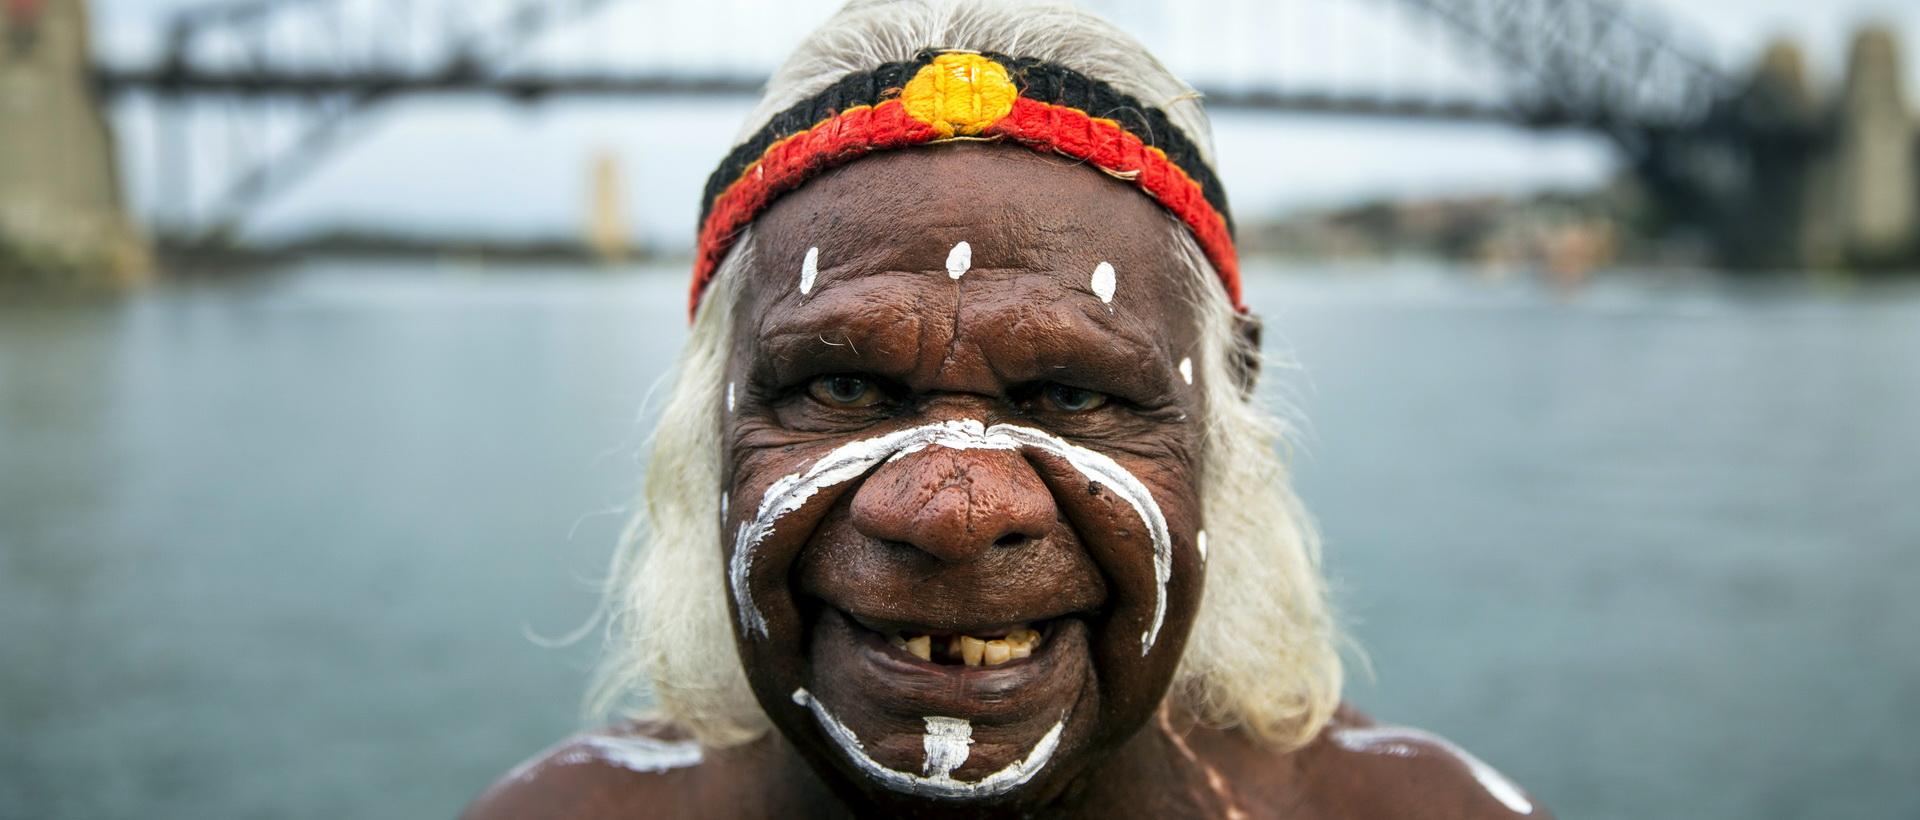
pixel 1263 652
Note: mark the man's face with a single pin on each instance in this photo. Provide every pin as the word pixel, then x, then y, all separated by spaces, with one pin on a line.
pixel 963 453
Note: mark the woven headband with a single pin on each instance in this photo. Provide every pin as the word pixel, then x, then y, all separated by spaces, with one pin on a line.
pixel 954 94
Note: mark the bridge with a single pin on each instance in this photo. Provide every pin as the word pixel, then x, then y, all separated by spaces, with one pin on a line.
pixel 1751 164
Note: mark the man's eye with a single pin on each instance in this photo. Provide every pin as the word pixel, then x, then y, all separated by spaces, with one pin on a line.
pixel 1060 398
pixel 844 391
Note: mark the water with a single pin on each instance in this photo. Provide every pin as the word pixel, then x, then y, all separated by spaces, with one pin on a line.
pixel 275 547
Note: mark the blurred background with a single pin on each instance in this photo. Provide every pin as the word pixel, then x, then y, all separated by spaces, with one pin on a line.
pixel 327 329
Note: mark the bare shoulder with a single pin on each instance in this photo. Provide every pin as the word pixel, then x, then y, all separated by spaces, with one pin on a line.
pixel 1370 769
pixel 1356 769
pixel 636 769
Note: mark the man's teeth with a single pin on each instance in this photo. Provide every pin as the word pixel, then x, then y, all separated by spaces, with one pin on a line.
pixel 995 652
pixel 972 651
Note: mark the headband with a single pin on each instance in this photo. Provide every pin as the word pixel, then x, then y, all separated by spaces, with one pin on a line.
pixel 948 95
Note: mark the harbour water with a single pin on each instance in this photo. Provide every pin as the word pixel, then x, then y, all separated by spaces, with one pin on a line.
pixel 291 545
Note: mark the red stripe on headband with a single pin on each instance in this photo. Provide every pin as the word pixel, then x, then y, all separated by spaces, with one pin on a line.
pixel 836 141
pixel 1070 131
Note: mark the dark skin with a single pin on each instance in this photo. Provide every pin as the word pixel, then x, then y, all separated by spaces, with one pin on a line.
pixel 973 540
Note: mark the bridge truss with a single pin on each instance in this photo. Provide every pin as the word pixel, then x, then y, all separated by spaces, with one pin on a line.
pixel 296 76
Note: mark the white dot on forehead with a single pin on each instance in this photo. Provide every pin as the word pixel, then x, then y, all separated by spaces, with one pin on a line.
pixel 1103 282
pixel 959 260
pixel 1186 370
pixel 809 268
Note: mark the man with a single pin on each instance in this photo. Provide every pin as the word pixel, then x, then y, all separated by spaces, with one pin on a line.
pixel 961 505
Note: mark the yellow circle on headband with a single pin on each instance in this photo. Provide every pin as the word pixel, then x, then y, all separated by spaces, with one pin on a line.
pixel 959 94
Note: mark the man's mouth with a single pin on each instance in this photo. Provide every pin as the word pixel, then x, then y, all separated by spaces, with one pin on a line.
pixel 977 646
pixel 1007 688
pixel 971 670
pixel 970 650
pixel 923 648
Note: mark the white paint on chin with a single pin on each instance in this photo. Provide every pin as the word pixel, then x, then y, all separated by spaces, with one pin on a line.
pixel 852 460
pixel 941 784
pixel 809 268
pixel 1402 741
pixel 1103 282
pixel 946 743
pixel 959 260
pixel 1199 541
pixel 1186 370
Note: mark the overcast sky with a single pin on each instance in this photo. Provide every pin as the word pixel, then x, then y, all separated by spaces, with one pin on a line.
pixel 484 167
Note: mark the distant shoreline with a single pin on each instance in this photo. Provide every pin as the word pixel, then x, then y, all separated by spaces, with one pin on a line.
pixel 1563 235
pixel 203 258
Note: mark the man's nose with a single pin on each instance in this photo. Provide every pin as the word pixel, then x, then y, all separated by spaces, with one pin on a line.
pixel 955 504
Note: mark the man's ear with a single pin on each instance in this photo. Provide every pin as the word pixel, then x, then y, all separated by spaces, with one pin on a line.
pixel 1245 358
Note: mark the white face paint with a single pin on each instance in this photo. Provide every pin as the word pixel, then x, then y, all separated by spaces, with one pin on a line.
pixel 729 397
pixel 947 744
pixel 1401 741
pixel 850 461
pixel 959 260
pixel 1199 541
pixel 636 754
pixel 939 783
pixel 1103 282
pixel 809 268
pixel 1186 370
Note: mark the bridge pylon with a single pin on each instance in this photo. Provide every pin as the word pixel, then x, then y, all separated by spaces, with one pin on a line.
pixel 62 216
pixel 1781 178
pixel 1877 191
pixel 1776 222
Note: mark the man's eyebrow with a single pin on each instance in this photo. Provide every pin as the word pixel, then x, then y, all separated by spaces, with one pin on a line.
pixel 1113 356
pixel 1085 345
pixel 834 337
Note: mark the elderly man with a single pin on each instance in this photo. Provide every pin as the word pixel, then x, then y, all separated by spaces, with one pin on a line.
pixel 961 505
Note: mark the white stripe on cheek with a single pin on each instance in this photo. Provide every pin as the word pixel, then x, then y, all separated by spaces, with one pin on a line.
pixel 1103 470
pixel 791 492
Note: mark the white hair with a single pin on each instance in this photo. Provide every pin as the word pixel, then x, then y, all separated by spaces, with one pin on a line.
pixel 1262 655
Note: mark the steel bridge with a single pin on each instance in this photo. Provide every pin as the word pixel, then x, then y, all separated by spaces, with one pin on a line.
pixel 317 67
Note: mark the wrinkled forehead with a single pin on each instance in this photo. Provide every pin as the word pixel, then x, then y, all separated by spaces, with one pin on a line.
pixel 1044 235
